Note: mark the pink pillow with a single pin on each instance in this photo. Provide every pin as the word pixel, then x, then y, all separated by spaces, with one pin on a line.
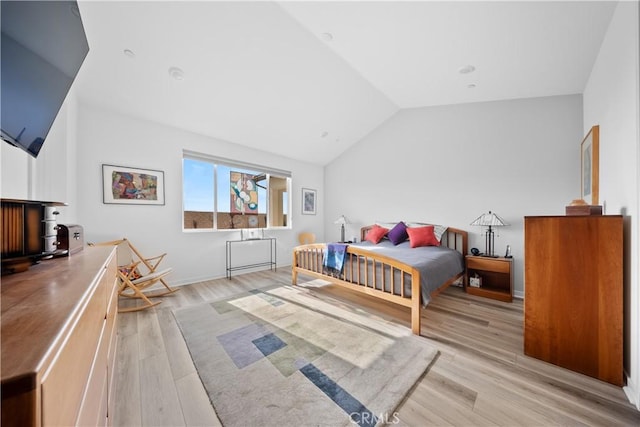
pixel 376 233
pixel 422 236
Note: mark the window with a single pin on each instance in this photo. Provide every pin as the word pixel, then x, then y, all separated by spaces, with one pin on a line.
pixel 222 194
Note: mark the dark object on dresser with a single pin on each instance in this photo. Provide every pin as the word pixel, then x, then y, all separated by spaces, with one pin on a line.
pixel 29 233
pixel 70 239
pixel 573 293
pixel 584 210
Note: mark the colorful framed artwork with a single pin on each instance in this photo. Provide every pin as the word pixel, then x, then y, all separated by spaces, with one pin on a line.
pixel 244 193
pixel 308 201
pixel 132 186
pixel 589 164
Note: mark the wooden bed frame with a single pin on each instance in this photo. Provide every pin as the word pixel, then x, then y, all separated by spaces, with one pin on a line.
pixel 307 260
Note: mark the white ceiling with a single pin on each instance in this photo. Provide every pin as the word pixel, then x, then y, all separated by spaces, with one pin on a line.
pixel 263 74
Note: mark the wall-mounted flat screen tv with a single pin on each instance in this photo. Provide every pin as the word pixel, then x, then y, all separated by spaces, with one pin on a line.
pixel 43 47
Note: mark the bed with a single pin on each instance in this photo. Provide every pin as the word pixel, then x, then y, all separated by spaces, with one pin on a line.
pixel 398 273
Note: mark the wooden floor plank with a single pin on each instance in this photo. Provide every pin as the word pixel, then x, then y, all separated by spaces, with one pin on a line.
pixel 195 404
pixel 481 376
pixel 174 345
pixel 159 397
pixel 128 406
pixel 149 333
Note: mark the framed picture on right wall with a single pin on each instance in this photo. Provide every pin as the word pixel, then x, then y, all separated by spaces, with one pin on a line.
pixel 589 161
pixel 309 201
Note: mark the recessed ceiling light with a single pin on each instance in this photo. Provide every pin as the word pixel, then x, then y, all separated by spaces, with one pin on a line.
pixel 326 37
pixel 176 73
pixel 466 69
pixel 129 53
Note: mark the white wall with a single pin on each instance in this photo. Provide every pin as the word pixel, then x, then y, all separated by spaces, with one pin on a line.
pixel 449 164
pixel 15 172
pixel 611 100
pixel 49 177
pixel 109 138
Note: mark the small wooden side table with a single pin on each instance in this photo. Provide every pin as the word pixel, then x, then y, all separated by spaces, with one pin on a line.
pixel 495 274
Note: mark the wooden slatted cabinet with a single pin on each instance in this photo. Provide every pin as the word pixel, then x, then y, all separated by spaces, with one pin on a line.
pixel 573 293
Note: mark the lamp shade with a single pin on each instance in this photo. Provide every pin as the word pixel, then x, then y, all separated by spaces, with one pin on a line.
pixel 489 220
pixel 342 220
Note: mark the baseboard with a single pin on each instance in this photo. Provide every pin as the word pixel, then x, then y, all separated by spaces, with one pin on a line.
pixel 518 294
pixel 192 280
pixel 632 392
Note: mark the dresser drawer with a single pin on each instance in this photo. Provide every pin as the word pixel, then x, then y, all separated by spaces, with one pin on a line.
pixel 490 264
pixel 64 383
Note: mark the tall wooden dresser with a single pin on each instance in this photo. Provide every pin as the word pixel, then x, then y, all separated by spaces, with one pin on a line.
pixel 573 293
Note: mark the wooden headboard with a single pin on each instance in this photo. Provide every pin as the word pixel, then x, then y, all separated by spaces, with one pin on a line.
pixel 453 238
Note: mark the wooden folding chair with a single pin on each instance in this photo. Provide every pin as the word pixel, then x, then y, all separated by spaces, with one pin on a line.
pixel 136 273
pixel 306 238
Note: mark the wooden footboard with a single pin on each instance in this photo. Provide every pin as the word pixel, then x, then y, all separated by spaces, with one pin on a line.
pixel 374 274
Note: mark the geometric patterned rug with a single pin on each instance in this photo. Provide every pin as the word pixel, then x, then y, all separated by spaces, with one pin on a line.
pixel 285 356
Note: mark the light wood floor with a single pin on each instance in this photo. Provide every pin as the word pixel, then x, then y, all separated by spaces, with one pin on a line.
pixel 481 376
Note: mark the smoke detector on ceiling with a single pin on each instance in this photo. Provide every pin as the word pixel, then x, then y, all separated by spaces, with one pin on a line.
pixel 176 73
pixel 466 69
pixel 326 37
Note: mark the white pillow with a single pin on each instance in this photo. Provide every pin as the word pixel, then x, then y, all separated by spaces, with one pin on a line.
pixel 387 224
pixel 438 230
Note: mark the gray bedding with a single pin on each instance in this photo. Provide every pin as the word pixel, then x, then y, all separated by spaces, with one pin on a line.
pixel 436 264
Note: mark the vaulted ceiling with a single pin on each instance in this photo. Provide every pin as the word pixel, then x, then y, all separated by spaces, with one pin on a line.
pixel 308 79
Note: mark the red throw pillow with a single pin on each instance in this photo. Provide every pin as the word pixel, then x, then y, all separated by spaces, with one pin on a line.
pixel 422 236
pixel 126 270
pixel 376 233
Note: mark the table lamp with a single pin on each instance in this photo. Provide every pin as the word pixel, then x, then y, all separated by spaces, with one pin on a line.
pixel 489 220
pixel 342 220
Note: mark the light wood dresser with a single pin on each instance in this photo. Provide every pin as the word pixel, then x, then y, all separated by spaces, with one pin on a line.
pixel 58 341
pixel 573 293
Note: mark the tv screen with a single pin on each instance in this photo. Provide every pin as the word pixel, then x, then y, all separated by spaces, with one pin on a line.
pixel 43 47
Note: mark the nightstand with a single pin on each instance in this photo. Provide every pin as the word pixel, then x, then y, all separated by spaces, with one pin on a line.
pixel 496 277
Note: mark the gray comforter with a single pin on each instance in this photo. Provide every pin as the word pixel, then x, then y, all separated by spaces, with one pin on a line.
pixel 436 264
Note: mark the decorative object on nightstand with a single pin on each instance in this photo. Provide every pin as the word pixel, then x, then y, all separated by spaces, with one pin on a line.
pixel 342 220
pixel 508 252
pixel 490 277
pixel 475 281
pixel 489 220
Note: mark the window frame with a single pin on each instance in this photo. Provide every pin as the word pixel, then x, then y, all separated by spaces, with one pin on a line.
pixel 268 172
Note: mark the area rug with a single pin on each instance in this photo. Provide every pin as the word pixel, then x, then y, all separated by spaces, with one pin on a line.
pixel 286 356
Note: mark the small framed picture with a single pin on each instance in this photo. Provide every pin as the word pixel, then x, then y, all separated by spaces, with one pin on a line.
pixel 132 186
pixel 590 159
pixel 308 201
